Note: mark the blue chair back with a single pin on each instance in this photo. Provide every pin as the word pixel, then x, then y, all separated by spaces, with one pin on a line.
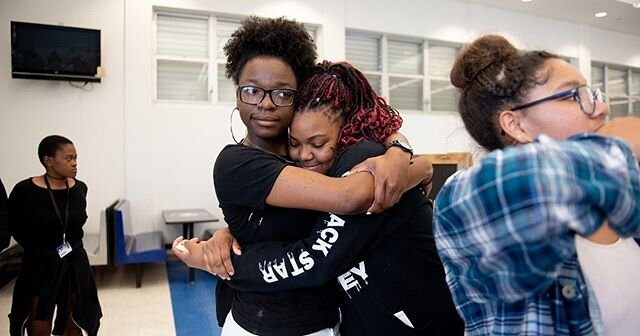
pixel 141 248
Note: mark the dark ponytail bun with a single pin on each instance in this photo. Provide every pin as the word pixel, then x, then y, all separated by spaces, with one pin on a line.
pixel 492 75
pixel 484 53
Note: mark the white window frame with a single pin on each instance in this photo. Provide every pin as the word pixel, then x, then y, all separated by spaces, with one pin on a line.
pixel 628 96
pixel 156 57
pixel 219 61
pixel 385 75
pixel 427 93
pixel 212 60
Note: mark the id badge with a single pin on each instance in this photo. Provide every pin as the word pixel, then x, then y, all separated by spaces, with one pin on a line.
pixel 64 249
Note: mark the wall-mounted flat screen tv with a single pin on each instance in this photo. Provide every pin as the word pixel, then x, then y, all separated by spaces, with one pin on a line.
pixel 40 51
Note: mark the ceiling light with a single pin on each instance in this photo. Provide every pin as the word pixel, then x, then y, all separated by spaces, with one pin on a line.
pixel 600 14
pixel 636 4
pixel 526 0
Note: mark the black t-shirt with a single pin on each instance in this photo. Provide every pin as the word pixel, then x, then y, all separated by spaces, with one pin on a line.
pixel 385 263
pixel 31 211
pixel 243 178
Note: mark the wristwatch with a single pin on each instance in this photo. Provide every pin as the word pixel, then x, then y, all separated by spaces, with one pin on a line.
pixel 402 145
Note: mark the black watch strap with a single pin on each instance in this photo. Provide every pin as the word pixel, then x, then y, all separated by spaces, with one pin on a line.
pixel 402 145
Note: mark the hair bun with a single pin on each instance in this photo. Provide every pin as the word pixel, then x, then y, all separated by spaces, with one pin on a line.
pixel 476 57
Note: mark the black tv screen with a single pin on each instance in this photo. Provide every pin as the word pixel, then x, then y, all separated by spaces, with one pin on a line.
pixel 40 51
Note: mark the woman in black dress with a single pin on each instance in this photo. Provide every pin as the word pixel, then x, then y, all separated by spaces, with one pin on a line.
pixel 47 213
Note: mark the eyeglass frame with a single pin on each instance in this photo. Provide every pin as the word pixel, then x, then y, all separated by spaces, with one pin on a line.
pixel 265 92
pixel 595 94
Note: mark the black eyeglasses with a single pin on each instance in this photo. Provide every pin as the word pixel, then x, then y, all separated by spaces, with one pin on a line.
pixel 253 95
pixel 584 95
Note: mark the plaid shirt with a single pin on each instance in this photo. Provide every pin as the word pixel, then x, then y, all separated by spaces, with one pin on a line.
pixel 505 232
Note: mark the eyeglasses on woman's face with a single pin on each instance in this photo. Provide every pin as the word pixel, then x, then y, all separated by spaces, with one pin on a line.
pixel 583 94
pixel 253 95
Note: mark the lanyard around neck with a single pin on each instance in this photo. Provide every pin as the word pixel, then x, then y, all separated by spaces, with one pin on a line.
pixel 65 221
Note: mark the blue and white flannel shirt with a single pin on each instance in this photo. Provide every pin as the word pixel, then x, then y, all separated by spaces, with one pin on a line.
pixel 505 232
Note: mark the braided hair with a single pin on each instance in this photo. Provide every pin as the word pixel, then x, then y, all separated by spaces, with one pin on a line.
pixel 343 92
pixel 492 75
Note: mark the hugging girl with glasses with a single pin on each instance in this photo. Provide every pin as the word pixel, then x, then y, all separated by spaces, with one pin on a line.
pixel 386 264
pixel 265 198
pixel 536 238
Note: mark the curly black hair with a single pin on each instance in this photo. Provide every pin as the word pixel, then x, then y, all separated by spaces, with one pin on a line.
pixel 279 37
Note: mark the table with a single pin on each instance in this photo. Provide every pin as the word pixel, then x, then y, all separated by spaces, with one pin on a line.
pixel 188 217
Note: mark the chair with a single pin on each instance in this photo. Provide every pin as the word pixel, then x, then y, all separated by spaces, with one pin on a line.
pixel 98 246
pixel 445 165
pixel 111 235
pixel 10 260
pixel 136 249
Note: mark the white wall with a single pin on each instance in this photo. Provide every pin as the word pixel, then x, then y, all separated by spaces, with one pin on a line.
pixel 93 120
pixel 160 156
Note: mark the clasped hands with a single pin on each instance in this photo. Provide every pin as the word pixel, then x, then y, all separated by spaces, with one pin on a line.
pixel 213 255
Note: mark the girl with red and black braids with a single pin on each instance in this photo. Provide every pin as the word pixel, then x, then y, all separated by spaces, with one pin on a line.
pixel 347 92
pixel 386 264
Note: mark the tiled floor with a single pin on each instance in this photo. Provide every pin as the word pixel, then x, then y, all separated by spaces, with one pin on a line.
pixel 127 311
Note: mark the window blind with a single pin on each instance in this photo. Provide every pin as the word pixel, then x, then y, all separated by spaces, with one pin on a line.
pixel 635 92
pixel 364 52
pixel 444 96
pixel 226 88
pixel 405 57
pixel 405 93
pixel 597 77
pixel 179 80
pixel 183 36
pixel 224 29
pixel 617 92
pixel 399 71
pixel 182 49
pixel 376 83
